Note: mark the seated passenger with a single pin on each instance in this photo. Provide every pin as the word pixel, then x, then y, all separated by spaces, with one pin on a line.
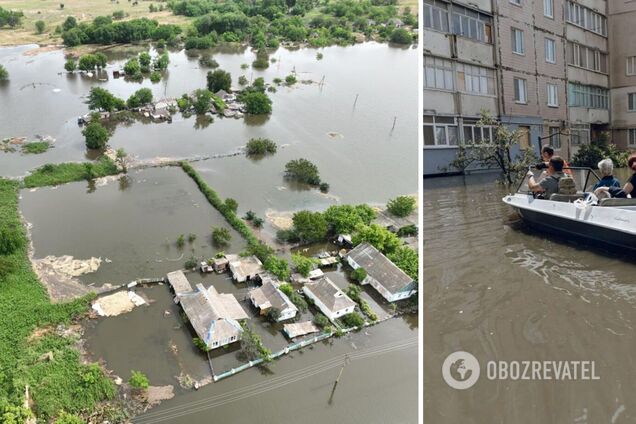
pixel 606 168
pixel 547 152
pixel 629 189
pixel 549 185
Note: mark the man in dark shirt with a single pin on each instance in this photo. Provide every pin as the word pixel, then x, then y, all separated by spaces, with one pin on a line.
pixel 548 185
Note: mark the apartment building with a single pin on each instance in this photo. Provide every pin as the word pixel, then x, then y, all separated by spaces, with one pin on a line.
pixel 550 68
pixel 622 36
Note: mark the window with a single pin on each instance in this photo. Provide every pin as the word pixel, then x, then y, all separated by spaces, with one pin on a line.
pixel 587 58
pixel 588 96
pixel 548 8
pixel 550 50
pixel 580 135
pixel 631 102
pixel 521 94
pixel 471 24
pixel 517 41
pixel 585 18
pixel 438 73
pixel 436 15
pixel 517 2
pixel 631 66
pixel 631 141
pixel 474 133
pixel 440 131
pixel 475 79
pixel 524 137
pixel 555 137
pixel 553 97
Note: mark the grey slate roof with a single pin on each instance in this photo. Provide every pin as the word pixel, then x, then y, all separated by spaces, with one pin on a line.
pixel 380 268
pixel 329 294
pixel 268 296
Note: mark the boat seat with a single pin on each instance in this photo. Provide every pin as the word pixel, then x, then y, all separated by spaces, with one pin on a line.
pixel 558 197
pixel 617 201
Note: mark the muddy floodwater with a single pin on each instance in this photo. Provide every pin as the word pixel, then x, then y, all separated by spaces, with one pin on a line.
pixel 353 113
pixel 504 292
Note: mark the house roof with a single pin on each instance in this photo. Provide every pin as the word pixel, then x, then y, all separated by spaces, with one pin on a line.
pixel 212 315
pixel 179 282
pixel 247 266
pixel 380 268
pixel 298 329
pixel 268 296
pixel 329 294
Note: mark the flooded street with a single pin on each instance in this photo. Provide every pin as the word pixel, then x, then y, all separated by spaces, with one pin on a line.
pixel 359 128
pixel 502 291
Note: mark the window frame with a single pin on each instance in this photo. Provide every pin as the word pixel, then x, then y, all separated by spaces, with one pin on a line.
pixel 550 41
pixel 631 102
pixel 555 90
pixel 435 125
pixel 518 43
pixel 550 9
pixel 633 63
pixel 517 90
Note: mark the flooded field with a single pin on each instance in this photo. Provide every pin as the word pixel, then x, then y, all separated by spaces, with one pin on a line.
pixel 510 293
pixel 359 127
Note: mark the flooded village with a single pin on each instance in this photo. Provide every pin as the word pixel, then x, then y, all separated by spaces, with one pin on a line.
pixel 202 282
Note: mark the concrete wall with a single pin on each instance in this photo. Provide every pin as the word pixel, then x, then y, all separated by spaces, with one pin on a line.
pixel 621 117
pixel 485 5
pixel 622 41
pixel 583 76
pixel 439 102
pixel 586 115
pixel 475 52
pixel 436 43
pixel 587 38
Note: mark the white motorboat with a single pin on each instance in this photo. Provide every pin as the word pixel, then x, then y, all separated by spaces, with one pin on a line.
pixel 611 222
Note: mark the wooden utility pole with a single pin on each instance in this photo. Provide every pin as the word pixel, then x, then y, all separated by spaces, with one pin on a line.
pixel 394 119
pixel 355 101
pixel 335 384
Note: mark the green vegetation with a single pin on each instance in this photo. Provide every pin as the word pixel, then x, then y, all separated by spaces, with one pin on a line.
pixel 202 101
pixel 191 238
pixel 139 98
pixel 221 236
pixel 35 147
pixel 120 156
pixel 299 301
pixel 4 74
pixel 89 62
pixel 401 206
pixel 273 314
pixel 70 65
pixel 180 241
pixel 200 344
pixel 379 237
pixel 353 319
pixel 119 14
pixel 96 135
pixel 277 266
pixel 60 384
pixel 344 219
pixel 231 204
pixel 406 259
pixel 66 418
pixel 409 230
pixel 257 103
pixel 39 26
pixel 208 62
pixel 401 36
pixel 260 146
pixel 262 60
pixel 103 31
pixel 358 274
pixel 286 288
pixel 138 380
pixel 251 345
pixel 102 99
pixel 190 263
pixel 10 18
pixel 303 171
pixel 320 320
pixel 219 80
pixel 354 291
pixel 49 174
pixel 155 77
pixel 290 79
pixel 592 153
pixel 310 226
pixel 303 264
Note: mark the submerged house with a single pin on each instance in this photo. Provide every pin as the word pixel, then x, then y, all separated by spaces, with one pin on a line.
pixel 269 296
pixel 329 298
pixel 213 315
pixel 247 268
pixel 383 275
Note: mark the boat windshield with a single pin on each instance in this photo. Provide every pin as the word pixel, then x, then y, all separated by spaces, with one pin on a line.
pixel 583 177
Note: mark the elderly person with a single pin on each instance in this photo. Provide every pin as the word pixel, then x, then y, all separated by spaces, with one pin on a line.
pixel 548 185
pixel 606 168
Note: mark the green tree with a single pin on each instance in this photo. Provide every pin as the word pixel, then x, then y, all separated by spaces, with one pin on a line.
pixel 219 80
pixel 96 135
pixel 303 171
pixel 257 103
pixel 70 65
pixel 102 99
pixel 303 264
pixel 202 101
pixel 231 204
pixel 138 380
pixel 299 301
pixel 406 259
pixel 4 74
pixel 320 320
pixel 242 80
pixel 161 63
pixel 344 219
pixel 262 60
pixel 273 314
pixel 69 23
pixel 155 77
pixel 180 241
pixel 286 288
pixel 290 79
pixel 278 266
pixel 310 226
pixel 221 236
pixel 144 61
pixel 121 158
pixel 401 36
pixel 401 206
pixel 379 237
pixel 260 146
pixel 353 319
pixel 354 291
pixel 141 97
pixel 358 274
pixel 132 67
pixel 39 26
pixel 87 62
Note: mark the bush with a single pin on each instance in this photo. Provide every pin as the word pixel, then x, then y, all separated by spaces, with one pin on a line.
pixel 303 264
pixel 407 231
pixel 591 154
pixel 155 77
pixel 257 103
pixel 353 291
pixel 353 319
pixel 138 380
pixel 401 206
pixel 207 62
pixel 273 314
pixel 299 301
pixel 242 80
pixel 11 239
pixel 191 263
pixel 258 222
pixel 4 74
pixel 141 97
pixel 39 26
pixel 66 418
pixel 290 79
pixel 231 204
pixel 132 67
pixel 96 135
pixel 200 344
pixel 180 241
pixel 320 320
pixel 219 80
pixel 221 236
pixel 35 147
pixel 401 36
pixel 202 101
pixel 262 60
pixel 303 171
pixel 287 236
pixel 359 274
pixel 286 288
pixel 70 65
pixel 278 266
pixel 119 14
pixel 260 146
pixel 310 226
pixel 324 187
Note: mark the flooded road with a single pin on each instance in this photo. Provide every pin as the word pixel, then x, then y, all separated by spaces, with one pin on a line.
pixel 502 291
